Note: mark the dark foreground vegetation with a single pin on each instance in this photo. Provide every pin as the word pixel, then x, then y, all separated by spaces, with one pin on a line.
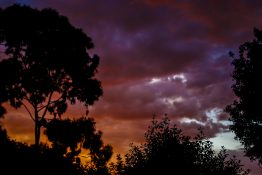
pixel 68 139
pixel 165 151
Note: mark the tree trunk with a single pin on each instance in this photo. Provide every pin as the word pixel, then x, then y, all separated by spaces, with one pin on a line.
pixel 37 130
pixel 37 135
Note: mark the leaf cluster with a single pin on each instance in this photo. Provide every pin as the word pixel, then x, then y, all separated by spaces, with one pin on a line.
pixel 71 137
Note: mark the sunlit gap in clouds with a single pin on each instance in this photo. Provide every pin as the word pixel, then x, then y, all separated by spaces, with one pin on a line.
pixel 225 137
pixel 191 120
pixel 212 116
pixel 180 77
pixel 212 120
pixel 170 101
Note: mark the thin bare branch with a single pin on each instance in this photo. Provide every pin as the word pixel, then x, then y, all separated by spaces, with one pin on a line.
pixel 41 108
pixel 56 100
pixel 28 111
pixel 48 103
pixel 51 102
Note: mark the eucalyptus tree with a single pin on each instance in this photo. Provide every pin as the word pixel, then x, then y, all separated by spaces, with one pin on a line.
pixel 46 65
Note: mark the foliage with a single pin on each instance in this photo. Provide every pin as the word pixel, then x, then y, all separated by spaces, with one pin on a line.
pixel 167 151
pixel 70 137
pixel 245 112
pixel 47 64
pixel 19 158
pixel 117 168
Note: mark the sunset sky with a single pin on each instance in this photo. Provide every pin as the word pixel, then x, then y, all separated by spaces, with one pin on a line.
pixel 157 57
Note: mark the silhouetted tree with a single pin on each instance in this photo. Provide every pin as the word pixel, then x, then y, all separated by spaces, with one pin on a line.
pixel 70 137
pixel 47 66
pixel 19 158
pixel 167 151
pixel 3 137
pixel 245 112
pixel 68 140
pixel 117 168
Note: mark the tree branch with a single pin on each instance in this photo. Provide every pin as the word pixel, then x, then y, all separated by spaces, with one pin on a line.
pixel 56 100
pixel 48 103
pixel 28 111
pixel 51 102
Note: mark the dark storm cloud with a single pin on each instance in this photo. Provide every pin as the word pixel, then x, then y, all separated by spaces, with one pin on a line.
pixel 136 40
pixel 139 40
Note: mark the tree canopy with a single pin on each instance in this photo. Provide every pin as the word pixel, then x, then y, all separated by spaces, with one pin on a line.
pixel 71 137
pixel 167 151
pixel 245 112
pixel 47 64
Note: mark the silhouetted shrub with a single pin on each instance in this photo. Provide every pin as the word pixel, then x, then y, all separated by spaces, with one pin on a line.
pixel 167 151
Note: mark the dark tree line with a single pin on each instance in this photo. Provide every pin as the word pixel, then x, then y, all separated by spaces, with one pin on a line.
pixel 165 151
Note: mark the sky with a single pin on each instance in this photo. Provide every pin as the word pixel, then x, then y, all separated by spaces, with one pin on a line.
pixel 158 57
